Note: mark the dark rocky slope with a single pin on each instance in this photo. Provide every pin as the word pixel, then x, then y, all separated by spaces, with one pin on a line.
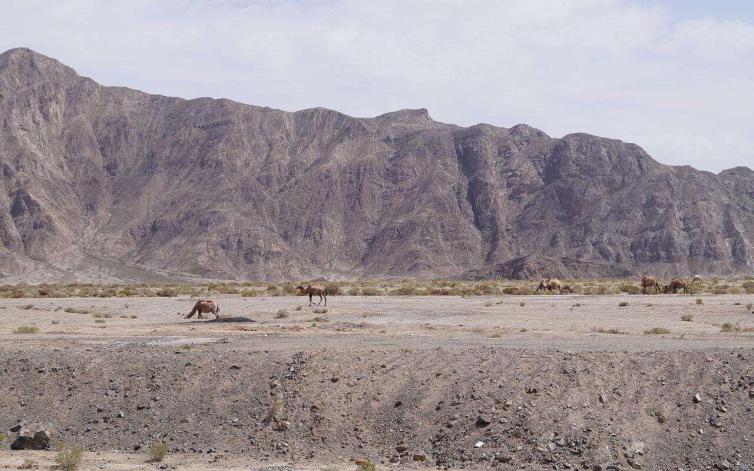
pixel 137 183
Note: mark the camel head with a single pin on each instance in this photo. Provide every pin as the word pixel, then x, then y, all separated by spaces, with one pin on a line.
pixel 666 289
pixel 301 288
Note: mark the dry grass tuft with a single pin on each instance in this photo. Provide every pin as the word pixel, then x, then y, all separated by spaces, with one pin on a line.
pixel 657 331
pixel 687 318
pixel 27 329
pixel 69 458
pixel 602 330
pixel 282 314
pixel 158 452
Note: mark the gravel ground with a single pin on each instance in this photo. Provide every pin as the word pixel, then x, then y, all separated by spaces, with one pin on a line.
pixel 406 382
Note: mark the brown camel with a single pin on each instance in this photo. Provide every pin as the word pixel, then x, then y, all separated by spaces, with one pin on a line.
pixel 550 284
pixel 698 279
pixel 311 290
pixel 204 306
pixel 677 284
pixel 648 282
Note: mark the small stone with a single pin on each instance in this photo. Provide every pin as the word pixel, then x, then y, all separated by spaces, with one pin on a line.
pixel 120 415
pixel 479 444
pixel 420 457
pixel 603 398
pixel 724 465
pixel 15 428
pixel 697 398
pixel 401 448
pixel 483 420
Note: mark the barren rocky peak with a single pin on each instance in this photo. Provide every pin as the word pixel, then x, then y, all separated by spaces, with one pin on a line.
pixel 112 183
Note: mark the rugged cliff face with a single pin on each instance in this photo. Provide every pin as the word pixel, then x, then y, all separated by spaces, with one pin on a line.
pixel 120 183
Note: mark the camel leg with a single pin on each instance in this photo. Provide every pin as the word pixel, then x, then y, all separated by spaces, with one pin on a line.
pixel 320 300
pixel 310 300
pixel 325 300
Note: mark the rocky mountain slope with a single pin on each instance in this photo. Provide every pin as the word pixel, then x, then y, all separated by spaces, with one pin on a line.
pixel 140 185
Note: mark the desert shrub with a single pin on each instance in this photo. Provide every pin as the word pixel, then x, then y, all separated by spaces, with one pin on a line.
pixel 320 311
pixel 248 293
pixel 657 331
pixel 687 318
pixel 369 291
pixel 699 301
pixel 366 465
pixel 728 327
pixel 26 329
pixel 99 321
pixel 282 314
pixel 629 288
pixel 522 304
pixel 227 289
pixel 320 319
pixel 100 315
pixel 406 290
pixel 74 310
pixel 333 289
pixel 749 306
pixel 126 292
pixel 26 307
pixel 69 458
pixel 602 330
pixel 623 304
pixel 27 464
pixel 158 451
pixel 166 292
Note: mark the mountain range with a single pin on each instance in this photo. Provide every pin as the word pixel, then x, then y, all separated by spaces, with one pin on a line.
pixel 110 183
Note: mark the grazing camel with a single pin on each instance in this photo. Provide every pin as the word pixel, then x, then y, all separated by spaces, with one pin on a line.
pixel 550 284
pixel 677 284
pixel 205 305
pixel 311 290
pixel 698 279
pixel 648 282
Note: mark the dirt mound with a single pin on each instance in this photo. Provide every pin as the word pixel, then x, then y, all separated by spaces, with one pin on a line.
pixel 447 407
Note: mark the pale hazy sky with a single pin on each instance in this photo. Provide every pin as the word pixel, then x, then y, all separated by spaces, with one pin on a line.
pixel 675 76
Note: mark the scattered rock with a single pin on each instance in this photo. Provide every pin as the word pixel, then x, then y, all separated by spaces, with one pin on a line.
pixel 15 428
pixel 697 398
pixel 420 457
pixel 40 441
pixel 479 444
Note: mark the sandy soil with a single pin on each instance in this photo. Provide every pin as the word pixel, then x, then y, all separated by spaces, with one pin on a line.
pixel 407 382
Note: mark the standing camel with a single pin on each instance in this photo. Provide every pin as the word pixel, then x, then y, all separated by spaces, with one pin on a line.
pixel 205 305
pixel 550 284
pixel 311 290
pixel 648 282
pixel 677 284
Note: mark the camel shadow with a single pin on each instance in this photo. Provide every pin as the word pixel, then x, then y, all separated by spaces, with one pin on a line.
pixel 232 319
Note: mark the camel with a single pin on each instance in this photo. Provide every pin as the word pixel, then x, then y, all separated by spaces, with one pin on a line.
pixel 205 305
pixel 675 285
pixel 311 290
pixel 550 284
pixel 649 282
pixel 698 279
